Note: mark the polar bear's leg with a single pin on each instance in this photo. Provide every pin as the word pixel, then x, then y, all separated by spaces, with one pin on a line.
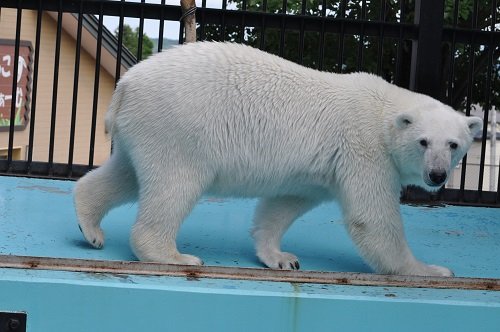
pixel 112 184
pixel 374 222
pixel 273 216
pixel 165 200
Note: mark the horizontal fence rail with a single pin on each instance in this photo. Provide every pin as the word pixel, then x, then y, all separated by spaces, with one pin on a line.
pixel 449 50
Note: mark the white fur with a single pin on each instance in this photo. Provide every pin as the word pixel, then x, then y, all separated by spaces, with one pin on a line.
pixel 229 120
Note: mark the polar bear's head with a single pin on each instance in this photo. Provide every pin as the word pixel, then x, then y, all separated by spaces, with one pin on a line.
pixel 429 141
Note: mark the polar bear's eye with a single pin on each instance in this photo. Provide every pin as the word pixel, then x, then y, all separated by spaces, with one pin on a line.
pixel 453 145
pixel 423 142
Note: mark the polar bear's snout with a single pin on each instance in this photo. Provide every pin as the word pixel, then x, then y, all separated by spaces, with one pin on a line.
pixel 437 177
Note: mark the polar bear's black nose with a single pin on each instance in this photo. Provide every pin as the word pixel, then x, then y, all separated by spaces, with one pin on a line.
pixel 437 177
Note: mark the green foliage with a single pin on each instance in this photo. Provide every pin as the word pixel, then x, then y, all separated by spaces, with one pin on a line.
pixel 131 41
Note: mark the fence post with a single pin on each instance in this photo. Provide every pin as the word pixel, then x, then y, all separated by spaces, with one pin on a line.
pixel 425 75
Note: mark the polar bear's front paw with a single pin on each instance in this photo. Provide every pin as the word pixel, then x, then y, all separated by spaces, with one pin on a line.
pixel 93 234
pixel 439 271
pixel 280 260
pixel 184 259
pixel 431 271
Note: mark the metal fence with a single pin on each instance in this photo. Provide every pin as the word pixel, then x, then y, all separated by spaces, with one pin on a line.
pixel 447 49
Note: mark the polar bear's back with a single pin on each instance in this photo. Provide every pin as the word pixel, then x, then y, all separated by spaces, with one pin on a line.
pixel 214 83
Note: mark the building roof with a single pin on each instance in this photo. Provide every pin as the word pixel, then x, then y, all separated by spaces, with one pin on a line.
pixel 90 25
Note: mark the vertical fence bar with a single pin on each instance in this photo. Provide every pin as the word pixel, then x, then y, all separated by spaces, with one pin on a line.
pixel 161 27
pixel 242 28
pixel 141 33
pixel 399 50
pixel 181 31
pixel 262 37
pixel 451 78
pixel 222 35
pixel 13 103
pixel 451 75
pixel 202 20
pixel 380 48
pixel 493 25
pixel 281 51
pixel 120 44
pixel 76 76
pixel 361 46
pixel 96 89
pixel 487 106
pixel 340 51
pixel 34 90
pixel 322 36
pixel 470 84
pixel 301 33
pixel 55 87
pixel 426 51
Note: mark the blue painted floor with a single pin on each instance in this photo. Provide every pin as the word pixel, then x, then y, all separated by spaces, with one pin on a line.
pixel 37 218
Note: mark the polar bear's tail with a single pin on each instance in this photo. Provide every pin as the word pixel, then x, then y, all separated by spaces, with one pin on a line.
pixel 114 106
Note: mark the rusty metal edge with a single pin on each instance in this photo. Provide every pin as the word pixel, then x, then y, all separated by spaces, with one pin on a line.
pixel 252 274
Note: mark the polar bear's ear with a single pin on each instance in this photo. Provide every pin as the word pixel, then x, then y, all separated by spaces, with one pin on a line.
pixel 475 124
pixel 403 121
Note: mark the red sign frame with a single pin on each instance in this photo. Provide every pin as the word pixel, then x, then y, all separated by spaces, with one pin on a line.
pixel 22 97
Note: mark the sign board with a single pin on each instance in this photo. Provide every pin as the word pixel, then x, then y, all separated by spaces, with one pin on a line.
pixel 21 97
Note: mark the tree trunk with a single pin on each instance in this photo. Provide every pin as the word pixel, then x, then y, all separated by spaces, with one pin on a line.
pixel 189 19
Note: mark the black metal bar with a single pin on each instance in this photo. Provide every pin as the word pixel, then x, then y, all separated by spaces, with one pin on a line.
pixel 120 43
pixel 487 106
pixel 242 25
pixel 451 75
pixel 322 36
pixel 262 37
pixel 340 50
pixel 470 83
pixel 181 32
pixel 76 76
pixel 302 32
pixel 55 86
pixel 399 47
pixel 380 48
pixel 361 46
pixel 202 20
pixel 35 85
pixel 426 52
pixel 96 92
pixel 222 35
pixel 492 27
pixel 13 103
pixel 161 27
pixel 281 50
pixel 141 34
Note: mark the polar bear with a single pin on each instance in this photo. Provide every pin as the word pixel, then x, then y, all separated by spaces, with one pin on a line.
pixel 229 120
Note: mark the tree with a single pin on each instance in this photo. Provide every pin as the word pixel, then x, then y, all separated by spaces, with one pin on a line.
pixel 131 42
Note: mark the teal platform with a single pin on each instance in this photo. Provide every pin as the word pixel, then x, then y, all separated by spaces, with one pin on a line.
pixel 37 219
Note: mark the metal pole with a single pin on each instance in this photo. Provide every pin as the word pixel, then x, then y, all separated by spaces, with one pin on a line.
pixel 493 147
pixel 425 75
